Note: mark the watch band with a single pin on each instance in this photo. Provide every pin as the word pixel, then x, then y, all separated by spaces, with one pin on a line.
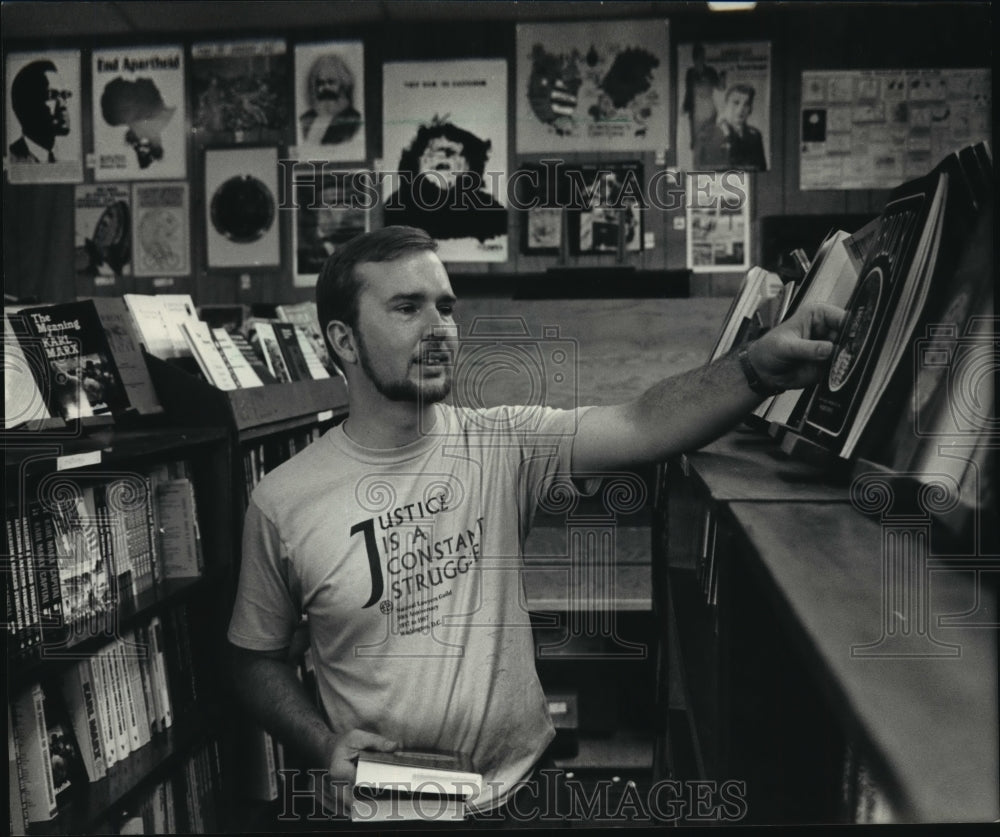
pixel 753 379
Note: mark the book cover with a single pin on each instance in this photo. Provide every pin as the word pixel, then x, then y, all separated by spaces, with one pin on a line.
pixel 240 368
pixel 206 352
pixel 32 747
pixel 288 342
pixel 179 541
pixel 123 339
pixel 67 765
pixel 305 315
pixel 152 325
pixel 370 805
pixel 270 350
pixel 317 370
pixel 252 357
pixel 23 403
pixel 418 771
pixel 81 703
pixel 159 668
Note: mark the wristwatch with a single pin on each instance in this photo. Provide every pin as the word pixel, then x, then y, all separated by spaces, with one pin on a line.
pixel 753 379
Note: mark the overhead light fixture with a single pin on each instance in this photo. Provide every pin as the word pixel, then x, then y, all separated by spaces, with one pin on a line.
pixel 730 7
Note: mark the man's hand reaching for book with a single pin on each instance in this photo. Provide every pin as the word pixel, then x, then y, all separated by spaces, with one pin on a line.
pixel 794 354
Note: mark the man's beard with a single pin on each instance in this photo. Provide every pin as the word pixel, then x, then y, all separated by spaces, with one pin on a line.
pixel 403 389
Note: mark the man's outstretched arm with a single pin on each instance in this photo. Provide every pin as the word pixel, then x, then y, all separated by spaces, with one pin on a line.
pixel 686 411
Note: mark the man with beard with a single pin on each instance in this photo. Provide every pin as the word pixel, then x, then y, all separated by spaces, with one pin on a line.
pixel 332 117
pixel 39 103
pixel 400 532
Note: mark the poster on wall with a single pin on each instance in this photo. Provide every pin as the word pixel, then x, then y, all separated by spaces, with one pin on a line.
pixel 161 229
pixel 241 208
pixel 331 208
pixel 724 106
pixel 718 222
pixel 239 91
pixel 139 113
pixel 42 115
pixel 330 101
pixel 540 196
pixel 593 86
pixel 445 154
pixel 102 218
pixel 874 129
pixel 606 216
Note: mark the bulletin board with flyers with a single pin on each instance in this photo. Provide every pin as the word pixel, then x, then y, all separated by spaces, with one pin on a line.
pixel 873 129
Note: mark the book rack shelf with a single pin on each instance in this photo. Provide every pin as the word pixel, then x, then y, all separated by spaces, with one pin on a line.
pixel 45 469
pixel 837 658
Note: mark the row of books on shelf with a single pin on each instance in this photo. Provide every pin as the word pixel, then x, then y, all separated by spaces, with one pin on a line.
pixel 910 386
pixel 83 360
pixel 264 455
pixel 88 720
pixel 84 548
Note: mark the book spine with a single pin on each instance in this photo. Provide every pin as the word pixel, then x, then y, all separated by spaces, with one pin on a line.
pixel 113 681
pixel 144 665
pixel 79 696
pixel 16 780
pixel 33 743
pixel 160 671
pixel 132 652
pixel 105 709
pixel 57 628
pixel 128 697
pixel 27 582
pixel 16 609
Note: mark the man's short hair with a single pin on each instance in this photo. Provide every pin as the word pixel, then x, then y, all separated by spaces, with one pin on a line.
pixel 29 89
pixel 746 89
pixel 339 286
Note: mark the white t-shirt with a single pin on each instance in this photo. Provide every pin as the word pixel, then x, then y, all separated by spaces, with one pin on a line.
pixel 408 564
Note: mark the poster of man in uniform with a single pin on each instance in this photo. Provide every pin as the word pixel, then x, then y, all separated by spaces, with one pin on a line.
pixel 593 86
pixel 445 154
pixel 330 101
pixel 724 106
pixel 139 114
pixel 42 103
pixel 239 91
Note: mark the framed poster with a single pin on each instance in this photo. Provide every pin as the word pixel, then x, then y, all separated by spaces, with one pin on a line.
pixel 537 192
pixel 239 91
pixel 330 101
pixel 103 233
pixel 605 214
pixel 593 86
pixel 724 106
pixel 139 113
pixel 161 231
pixel 42 114
pixel 331 208
pixel 445 149
pixel 718 222
pixel 241 207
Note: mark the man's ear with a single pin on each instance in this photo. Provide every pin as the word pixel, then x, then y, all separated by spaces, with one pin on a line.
pixel 341 338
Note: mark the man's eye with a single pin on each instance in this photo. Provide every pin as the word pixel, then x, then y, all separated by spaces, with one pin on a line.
pixel 447 310
pixel 408 308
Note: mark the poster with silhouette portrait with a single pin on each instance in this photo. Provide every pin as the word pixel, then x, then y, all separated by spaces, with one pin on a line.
pixel 241 207
pixel 139 113
pixel 103 236
pixel 161 229
pixel 330 101
pixel 42 115
pixel 331 208
pixel 593 86
pixel 604 207
pixel 445 145
pixel 724 106
pixel 239 91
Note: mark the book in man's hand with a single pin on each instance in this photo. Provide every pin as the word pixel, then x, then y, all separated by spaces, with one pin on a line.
pixel 413 784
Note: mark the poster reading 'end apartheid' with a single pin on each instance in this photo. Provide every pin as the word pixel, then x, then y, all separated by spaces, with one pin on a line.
pixel 139 113
pixel 593 86
pixel 42 116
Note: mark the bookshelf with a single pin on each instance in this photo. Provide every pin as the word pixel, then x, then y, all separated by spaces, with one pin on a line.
pixel 44 472
pixel 789 663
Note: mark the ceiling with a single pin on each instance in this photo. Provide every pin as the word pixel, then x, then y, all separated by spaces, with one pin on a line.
pixel 41 19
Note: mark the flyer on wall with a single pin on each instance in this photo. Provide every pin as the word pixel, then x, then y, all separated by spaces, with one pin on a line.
pixel 139 114
pixel 330 101
pixel 103 233
pixel 238 91
pixel 593 86
pixel 161 229
pixel 445 146
pixel 718 222
pixel 42 114
pixel 724 106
